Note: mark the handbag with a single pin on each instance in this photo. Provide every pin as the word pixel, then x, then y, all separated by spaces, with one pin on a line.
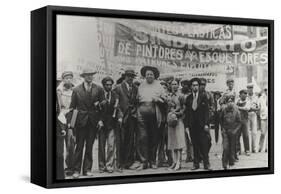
pixel 172 119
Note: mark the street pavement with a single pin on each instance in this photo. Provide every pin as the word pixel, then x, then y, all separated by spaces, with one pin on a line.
pixel 255 160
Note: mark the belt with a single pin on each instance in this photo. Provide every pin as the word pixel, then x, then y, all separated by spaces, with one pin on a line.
pixel 147 103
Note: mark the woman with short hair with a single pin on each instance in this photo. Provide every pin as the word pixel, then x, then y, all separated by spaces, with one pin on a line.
pixel 176 134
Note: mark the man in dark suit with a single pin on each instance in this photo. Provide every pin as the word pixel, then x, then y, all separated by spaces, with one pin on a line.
pixel 197 118
pixel 109 116
pixel 85 99
pixel 127 93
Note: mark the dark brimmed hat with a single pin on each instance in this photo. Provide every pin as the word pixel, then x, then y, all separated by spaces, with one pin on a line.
pixel 229 80
pixel 243 91
pixel 229 97
pixel 66 73
pixel 250 85
pixel 130 72
pixel 185 80
pixel 105 79
pixel 217 93
pixel 195 79
pixel 153 69
pixel 203 81
pixel 87 71
pixel 121 79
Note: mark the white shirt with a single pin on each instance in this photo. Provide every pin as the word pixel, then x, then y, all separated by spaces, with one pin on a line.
pixel 64 95
pixel 128 86
pixel 87 86
pixel 148 92
pixel 263 106
pixel 105 95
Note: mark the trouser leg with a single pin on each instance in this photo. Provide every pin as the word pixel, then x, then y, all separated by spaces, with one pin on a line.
pixel 60 158
pixel 128 142
pixel 189 148
pixel 161 146
pixel 196 148
pixel 110 149
pixel 102 142
pixel 70 148
pixel 225 145
pixel 142 139
pixel 217 127
pixel 118 140
pixel 153 139
pixel 238 143
pixel 263 137
pixel 232 144
pixel 78 154
pixel 245 135
pixel 205 145
pixel 253 129
pixel 90 138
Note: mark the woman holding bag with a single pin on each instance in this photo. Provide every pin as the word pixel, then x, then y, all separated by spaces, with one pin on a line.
pixel 176 135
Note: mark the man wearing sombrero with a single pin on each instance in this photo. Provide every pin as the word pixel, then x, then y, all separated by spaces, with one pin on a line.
pixel 151 95
pixel 85 99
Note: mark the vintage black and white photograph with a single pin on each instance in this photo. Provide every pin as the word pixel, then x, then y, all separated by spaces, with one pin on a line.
pixel 138 97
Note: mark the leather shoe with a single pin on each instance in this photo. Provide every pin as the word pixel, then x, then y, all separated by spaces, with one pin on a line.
pixel 195 168
pixel 154 166
pixel 120 170
pixel 177 167
pixel 141 167
pixel 76 175
pixel 88 173
pixel 207 167
pixel 110 170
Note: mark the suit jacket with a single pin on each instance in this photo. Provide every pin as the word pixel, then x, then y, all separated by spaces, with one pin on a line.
pixel 107 111
pixel 87 104
pixel 127 100
pixel 200 117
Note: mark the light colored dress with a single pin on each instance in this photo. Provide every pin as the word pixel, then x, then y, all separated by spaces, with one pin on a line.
pixel 176 136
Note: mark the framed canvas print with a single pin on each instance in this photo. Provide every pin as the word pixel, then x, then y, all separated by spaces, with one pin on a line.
pixel 125 96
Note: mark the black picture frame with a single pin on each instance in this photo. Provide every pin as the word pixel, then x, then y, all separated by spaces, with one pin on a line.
pixel 43 82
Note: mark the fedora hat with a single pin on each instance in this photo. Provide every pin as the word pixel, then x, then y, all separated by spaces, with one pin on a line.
pixel 66 73
pixel 105 79
pixel 229 80
pixel 185 80
pixel 87 71
pixel 195 79
pixel 250 85
pixel 153 69
pixel 130 72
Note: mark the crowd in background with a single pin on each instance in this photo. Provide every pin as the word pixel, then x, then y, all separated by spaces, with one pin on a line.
pixel 149 124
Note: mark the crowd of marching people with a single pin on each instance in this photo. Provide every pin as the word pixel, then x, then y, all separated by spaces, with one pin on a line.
pixel 150 123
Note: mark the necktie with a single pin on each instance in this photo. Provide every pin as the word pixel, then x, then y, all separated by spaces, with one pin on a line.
pixel 130 90
pixel 107 96
pixel 194 103
pixel 88 87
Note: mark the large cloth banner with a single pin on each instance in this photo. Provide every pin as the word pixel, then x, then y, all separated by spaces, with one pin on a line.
pixel 181 52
